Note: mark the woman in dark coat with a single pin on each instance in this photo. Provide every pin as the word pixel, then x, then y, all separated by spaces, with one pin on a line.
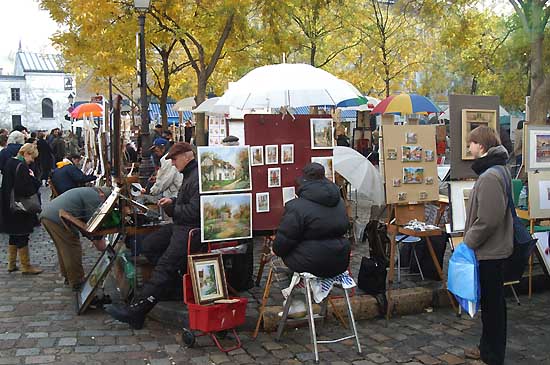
pixel 20 178
pixel 46 156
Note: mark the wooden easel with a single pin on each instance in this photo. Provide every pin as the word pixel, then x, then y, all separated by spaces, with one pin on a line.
pixel 398 217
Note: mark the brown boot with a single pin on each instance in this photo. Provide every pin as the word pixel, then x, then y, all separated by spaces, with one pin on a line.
pixel 26 267
pixel 12 258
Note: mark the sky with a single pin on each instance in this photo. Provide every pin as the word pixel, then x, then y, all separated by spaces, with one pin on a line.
pixel 22 20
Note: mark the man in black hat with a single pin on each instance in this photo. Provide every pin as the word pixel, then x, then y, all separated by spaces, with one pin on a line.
pixel 167 247
pixel 310 237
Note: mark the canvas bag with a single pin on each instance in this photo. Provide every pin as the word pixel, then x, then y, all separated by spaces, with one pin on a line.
pixel 30 205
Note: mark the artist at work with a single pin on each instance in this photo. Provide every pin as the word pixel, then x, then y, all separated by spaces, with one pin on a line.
pixel 167 247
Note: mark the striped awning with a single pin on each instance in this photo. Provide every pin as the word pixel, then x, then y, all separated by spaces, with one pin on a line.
pixel 173 116
pixel 346 114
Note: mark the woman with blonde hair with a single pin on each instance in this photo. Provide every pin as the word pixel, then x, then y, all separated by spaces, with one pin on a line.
pixel 19 178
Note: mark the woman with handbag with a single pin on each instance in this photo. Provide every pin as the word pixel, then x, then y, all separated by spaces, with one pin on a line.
pixel 20 205
pixel 489 232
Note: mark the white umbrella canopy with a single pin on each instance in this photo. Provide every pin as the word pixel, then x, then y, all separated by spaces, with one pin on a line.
pixel 360 173
pixel 186 104
pixel 210 106
pixel 287 84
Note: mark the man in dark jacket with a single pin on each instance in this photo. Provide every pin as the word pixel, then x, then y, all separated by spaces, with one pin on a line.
pixel 45 156
pixel 167 248
pixel 68 176
pixel 310 237
pixel 58 147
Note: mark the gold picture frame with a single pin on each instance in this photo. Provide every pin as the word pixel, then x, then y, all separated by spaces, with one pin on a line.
pixel 208 278
pixel 471 119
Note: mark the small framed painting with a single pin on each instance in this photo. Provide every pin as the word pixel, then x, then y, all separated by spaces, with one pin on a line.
pixel 289 193
pixel 274 177
pixel 538 147
pixel 411 138
pixel 322 132
pixel 224 169
pixel 413 175
pixel 429 155
pixel 257 155
pixel 411 154
pixel 271 154
pixel 208 278
pixel 287 153
pixel 262 203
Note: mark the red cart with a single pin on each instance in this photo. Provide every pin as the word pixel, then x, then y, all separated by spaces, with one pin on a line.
pixel 211 320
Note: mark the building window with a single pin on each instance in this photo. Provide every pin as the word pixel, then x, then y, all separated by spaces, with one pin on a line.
pixel 47 108
pixel 15 94
pixel 15 121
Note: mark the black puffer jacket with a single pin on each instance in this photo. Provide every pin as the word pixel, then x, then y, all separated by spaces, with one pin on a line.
pixel 310 236
pixel 186 207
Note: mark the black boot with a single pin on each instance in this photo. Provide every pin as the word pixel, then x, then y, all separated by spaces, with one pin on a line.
pixel 133 314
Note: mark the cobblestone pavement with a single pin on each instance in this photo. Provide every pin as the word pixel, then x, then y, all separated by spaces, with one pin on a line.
pixel 38 325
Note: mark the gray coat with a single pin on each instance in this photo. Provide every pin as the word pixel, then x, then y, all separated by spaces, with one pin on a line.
pixel 489 227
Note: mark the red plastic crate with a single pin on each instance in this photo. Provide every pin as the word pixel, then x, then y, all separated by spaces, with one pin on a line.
pixel 213 317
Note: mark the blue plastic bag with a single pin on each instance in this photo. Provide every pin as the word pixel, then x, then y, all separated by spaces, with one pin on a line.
pixel 463 278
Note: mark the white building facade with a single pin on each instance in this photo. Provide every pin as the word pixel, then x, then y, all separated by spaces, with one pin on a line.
pixel 37 94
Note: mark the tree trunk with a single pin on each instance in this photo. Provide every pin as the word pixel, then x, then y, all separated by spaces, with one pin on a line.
pixel 163 109
pixel 165 89
pixel 200 118
pixel 312 54
pixel 540 85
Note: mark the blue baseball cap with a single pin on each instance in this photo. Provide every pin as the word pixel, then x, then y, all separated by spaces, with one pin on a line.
pixel 159 142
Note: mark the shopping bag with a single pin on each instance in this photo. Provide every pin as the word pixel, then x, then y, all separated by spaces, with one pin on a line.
pixel 463 278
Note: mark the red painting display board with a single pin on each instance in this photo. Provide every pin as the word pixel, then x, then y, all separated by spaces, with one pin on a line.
pixel 273 129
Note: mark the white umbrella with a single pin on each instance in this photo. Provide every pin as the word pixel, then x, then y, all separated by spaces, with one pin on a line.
pixel 185 104
pixel 287 84
pixel 209 106
pixel 360 173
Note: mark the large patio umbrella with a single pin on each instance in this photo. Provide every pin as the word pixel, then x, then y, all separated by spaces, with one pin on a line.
pixel 405 104
pixel 88 109
pixel 360 173
pixel 184 105
pixel 288 85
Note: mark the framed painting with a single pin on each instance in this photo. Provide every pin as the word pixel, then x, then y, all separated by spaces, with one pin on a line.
pixel 538 147
pixel 411 154
pixel 459 194
pixel 413 175
pixel 471 119
pixel 208 278
pixel 262 202
pixel 274 177
pixel 224 169
pixel 287 153
pixel 289 193
pixel 322 133
pixel 543 246
pixel 539 194
pixel 226 217
pixel 257 155
pixel 328 164
pixel 272 154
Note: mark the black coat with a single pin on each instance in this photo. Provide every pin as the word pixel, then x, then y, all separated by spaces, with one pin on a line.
pixel 186 207
pixel 58 148
pixel 310 237
pixel 10 151
pixel 25 185
pixel 45 155
pixel 69 177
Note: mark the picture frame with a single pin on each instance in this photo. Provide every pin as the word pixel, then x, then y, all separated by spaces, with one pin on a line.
pixel 256 155
pixel 262 202
pixel 396 182
pixel 413 175
pixel 274 177
pixel 429 180
pixel 287 154
pixel 402 196
pixel 226 217
pixel 539 194
pixel 423 195
pixel 224 169
pixel 537 147
pixel 543 247
pixel 429 155
pixel 207 278
pixel 392 154
pixel 322 133
pixel 328 164
pixel 98 273
pixel 289 193
pixel 459 192
pixel 271 154
pixel 411 153
pixel 471 119
pixel 411 138
pixel 101 213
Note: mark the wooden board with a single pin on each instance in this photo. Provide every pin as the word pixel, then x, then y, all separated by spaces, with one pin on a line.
pixel 273 129
pixel 395 139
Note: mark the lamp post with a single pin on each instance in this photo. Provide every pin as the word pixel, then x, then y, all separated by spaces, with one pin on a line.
pixel 142 6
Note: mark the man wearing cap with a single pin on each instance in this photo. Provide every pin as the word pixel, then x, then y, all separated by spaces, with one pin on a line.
pixel 168 179
pixel 310 237
pixel 167 247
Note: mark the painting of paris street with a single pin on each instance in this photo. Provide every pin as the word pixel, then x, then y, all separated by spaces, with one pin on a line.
pixel 224 169
pixel 226 217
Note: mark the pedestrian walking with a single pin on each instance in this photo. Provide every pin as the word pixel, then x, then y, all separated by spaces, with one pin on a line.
pixel 489 232
pixel 45 155
pixel 19 179
pixel 58 147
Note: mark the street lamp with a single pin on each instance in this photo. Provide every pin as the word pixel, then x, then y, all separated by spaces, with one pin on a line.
pixel 71 99
pixel 142 6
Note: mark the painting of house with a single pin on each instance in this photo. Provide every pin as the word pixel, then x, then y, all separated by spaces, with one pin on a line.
pixel 226 217
pixel 224 169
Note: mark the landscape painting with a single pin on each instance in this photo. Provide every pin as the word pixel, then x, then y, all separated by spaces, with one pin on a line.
pixel 413 175
pixel 226 217
pixel 322 130
pixel 327 164
pixel 224 169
